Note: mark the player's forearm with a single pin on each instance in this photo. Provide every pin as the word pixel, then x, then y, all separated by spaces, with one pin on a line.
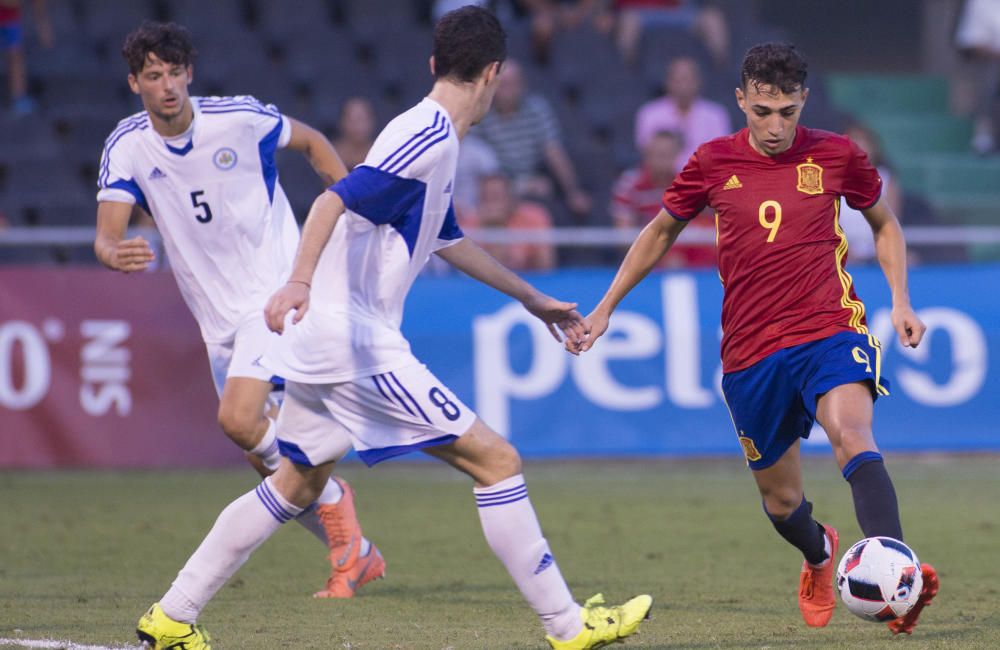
pixel 316 232
pixel 468 257
pixel 318 151
pixel 890 250
pixel 651 244
pixel 325 160
pixel 112 224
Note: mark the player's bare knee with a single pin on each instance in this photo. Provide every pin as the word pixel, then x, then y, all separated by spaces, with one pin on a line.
pixel 506 461
pixel 240 427
pixel 299 484
pixel 852 440
pixel 496 462
pixel 780 503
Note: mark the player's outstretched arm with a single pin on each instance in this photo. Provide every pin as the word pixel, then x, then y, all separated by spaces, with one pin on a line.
pixel 652 243
pixel 890 249
pixel 323 215
pixel 110 245
pixel 471 259
pixel 318 151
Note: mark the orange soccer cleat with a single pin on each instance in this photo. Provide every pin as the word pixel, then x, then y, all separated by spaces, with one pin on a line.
pixel 817 599
pixel 351 569
pixel 905 624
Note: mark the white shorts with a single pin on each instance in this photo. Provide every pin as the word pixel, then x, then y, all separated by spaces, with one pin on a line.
pixel 241 356
pixel 381 416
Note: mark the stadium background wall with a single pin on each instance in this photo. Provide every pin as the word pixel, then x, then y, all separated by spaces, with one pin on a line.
pixel 103 370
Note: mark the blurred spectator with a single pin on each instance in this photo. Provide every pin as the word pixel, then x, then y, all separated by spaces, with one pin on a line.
pixel 638 194
pixel 708 23
pixel 499 207
pixel 860 240
pixel 524 133
pixel 548 17
pixel 978 36
pixel 681 109
pixel 476 160
pixel 355 131
pixel 12 41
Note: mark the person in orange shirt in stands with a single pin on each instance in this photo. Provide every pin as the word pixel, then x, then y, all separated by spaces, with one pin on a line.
pixel 499 207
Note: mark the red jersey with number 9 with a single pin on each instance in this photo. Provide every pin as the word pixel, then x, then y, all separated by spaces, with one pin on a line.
pixel 781 249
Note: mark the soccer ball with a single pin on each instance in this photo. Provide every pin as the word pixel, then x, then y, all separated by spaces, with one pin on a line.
pixel 879 579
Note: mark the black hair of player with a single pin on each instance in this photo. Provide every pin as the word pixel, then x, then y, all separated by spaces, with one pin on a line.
pixel 170 43
pixel 778 65
pixel 467 40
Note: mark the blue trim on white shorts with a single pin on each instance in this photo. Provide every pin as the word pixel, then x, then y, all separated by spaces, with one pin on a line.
pixel 373 456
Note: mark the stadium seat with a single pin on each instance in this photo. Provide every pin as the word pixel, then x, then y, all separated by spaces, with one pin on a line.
pixel 324 51
pixel 27 138
pixel 111 19
pixel 896 94
pixel 41 177
pixel 85 94
pixel 223 15
pixel 309 17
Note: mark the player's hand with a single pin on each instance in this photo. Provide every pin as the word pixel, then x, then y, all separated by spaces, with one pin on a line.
pixel 294 295
pixel 132 255
pixel 908 326
pixel 557 315
pixel 594 325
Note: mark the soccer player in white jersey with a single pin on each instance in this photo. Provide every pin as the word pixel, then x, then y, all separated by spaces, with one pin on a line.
pixel 351 378
pixel 204 168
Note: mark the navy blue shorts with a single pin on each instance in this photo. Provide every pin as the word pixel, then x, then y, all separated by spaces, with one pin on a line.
pixel 773 402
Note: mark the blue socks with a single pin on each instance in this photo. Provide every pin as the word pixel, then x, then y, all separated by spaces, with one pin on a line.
pixel 803 532
pixel 875 503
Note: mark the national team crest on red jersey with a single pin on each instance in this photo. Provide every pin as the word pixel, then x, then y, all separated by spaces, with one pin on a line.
pixel 810 177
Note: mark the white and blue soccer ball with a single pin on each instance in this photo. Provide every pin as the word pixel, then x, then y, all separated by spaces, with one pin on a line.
pixel 879 579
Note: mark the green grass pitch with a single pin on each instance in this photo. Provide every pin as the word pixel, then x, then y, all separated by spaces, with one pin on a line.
pixel 82 554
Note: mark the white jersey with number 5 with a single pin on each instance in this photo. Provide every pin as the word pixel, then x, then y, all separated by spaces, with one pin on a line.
pixel 398 212
pixel 227 226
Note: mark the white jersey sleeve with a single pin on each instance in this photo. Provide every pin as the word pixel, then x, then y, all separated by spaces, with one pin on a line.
pixel 116 180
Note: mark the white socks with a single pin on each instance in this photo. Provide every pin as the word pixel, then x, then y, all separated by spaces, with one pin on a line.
pixel 512 531
pixel 267 449
pixel 268 452
pixel 243 526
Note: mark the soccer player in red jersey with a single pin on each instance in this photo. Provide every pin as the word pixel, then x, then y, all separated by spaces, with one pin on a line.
pixel 795 348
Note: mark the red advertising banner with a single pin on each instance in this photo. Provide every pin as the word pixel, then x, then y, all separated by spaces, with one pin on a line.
pixel 101 369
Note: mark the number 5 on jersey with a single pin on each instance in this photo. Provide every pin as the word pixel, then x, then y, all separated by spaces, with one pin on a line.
pixel 206 215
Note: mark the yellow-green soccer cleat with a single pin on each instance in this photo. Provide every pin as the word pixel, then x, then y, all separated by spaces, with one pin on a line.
pixel 605 625
pixel 158 631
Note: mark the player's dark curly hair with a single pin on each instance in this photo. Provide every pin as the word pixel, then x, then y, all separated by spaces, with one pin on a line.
pixel 170 42
pixel 774 64
pixel 467 40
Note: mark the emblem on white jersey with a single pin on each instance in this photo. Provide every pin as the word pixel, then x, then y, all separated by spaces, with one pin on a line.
pixel 224 158
pixel 156 173
pixel 447 188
